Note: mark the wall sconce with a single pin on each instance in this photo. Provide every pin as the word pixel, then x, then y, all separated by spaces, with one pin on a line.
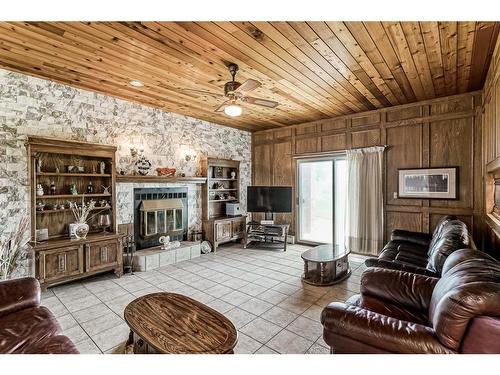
pixel 188 153
pixel 134 151
pixel 190 157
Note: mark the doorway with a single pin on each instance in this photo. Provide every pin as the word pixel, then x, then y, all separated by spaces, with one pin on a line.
pixel 321 199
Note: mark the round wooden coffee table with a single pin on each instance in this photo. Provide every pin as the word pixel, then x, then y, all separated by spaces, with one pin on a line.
pixel 176 324
pixel 326 265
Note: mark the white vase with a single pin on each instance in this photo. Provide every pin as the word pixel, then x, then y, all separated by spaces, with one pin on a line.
pixel 81 230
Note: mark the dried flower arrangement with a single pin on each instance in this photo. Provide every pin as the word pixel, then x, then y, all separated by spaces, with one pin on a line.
pixel 82 212
pixel 14 248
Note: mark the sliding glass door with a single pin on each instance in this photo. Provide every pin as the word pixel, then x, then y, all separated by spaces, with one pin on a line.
pixel 321 189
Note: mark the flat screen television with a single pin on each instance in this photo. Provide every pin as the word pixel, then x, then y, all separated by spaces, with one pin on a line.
pixel 269 199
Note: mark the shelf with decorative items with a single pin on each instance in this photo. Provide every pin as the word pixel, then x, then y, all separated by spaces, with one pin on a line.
pixel 73 196
pixel 59 174
pixel 73 210
pixel 222 221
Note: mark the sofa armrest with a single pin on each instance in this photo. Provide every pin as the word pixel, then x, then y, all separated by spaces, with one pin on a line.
pixel 407 289
pixel 382 263
pixel 18 294
pixel 380 331
pixel 419 238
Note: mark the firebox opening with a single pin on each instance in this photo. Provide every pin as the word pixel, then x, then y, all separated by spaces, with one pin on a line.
pixel 159 212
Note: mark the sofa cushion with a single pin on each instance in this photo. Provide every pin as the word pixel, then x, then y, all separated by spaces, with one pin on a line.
pixel 18 294
pixel 442 223
pixel 26 327
pixel 454 236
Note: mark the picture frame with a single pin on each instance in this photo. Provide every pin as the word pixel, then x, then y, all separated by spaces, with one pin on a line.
pixel 428 183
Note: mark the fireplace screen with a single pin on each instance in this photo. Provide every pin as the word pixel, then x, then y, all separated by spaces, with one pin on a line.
pixel 161 216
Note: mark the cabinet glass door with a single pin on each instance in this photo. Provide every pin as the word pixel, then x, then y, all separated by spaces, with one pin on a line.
pixel 321 199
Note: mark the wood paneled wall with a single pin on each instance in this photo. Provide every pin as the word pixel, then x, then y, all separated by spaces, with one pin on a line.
pixel 434 133
pixel 491 154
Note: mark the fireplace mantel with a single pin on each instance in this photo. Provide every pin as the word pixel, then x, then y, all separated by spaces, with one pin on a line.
pixel 159 179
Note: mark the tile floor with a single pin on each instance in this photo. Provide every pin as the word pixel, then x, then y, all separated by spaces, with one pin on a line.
pixel 259 290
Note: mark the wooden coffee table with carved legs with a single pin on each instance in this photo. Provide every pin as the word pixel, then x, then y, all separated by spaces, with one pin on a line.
pixel 326 264
pixel 176 324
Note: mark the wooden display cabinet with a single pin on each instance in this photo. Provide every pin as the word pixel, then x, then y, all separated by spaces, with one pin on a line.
pixel 59 258
pixel 221 188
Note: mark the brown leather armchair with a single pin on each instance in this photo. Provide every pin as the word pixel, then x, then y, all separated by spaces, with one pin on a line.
pixel 25 326
pixel 403 312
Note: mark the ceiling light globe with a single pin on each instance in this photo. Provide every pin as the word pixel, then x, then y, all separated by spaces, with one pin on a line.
pixel 233 110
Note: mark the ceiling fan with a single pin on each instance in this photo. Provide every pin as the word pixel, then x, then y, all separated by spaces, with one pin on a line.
pixel 235 93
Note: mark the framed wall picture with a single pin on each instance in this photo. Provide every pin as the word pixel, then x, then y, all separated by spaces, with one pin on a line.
pixel 428 183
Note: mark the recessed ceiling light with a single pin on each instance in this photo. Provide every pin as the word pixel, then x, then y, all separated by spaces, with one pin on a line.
pixel 136 83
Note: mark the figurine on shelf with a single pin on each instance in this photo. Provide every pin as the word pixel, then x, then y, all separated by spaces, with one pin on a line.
pixel 40 206
pixel 105 189
pixel 104 203
pixel 233 175
pixel 218 172
pixel 52 188
pixel 90 188
pixel 73 190
pixel 102 167
pixel 39 190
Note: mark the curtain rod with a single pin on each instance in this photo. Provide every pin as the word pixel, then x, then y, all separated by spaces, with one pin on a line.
pixel 332 153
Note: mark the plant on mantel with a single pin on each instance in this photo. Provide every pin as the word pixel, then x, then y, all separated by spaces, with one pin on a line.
pixel 14 249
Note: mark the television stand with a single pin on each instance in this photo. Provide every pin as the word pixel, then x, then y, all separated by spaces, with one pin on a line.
pixel 266 235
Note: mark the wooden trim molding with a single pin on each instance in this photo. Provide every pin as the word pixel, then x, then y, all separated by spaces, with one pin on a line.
pixel 159 179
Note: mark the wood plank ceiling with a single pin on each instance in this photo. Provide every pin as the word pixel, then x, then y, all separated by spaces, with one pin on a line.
pixel 315 70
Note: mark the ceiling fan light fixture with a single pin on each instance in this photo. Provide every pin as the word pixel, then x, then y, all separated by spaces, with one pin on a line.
pixel 136 83
pixel 233 110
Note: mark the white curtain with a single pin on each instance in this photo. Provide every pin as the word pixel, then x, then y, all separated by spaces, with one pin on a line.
pixel 364 208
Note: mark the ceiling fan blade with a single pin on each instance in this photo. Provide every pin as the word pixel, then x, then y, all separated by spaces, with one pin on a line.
pixel 248 85
pixel 204 92
pixel 261 102
pixel 222 106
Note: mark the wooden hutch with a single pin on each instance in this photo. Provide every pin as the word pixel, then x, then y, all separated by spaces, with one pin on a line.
pixel 61 164
pixel 222 187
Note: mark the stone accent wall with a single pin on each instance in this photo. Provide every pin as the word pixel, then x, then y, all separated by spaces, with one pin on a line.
pixel 32 106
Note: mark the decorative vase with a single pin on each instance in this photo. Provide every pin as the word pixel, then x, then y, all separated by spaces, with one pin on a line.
pixel 81 230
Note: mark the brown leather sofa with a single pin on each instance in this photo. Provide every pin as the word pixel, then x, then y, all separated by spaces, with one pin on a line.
pixel 421 252
pixel 25 326
pixel 403 312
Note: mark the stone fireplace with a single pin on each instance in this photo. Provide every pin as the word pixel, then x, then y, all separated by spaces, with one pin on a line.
pixel 160 212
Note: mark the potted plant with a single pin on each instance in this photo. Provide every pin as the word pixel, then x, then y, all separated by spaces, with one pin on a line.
pixel 14 249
